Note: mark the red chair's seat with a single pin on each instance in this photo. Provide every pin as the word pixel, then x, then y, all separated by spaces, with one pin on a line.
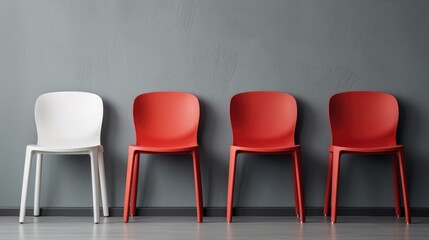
pixel 367 149
pixel 268 149
pixel 163 149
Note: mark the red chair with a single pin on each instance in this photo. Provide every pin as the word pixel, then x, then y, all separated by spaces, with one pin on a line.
pixel 364 123
pixel 264 122
pixel 165 122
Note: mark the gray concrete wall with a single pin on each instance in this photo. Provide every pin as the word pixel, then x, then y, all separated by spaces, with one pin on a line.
pixel 214 49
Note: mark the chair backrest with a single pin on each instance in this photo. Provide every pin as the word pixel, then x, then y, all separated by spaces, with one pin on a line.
pixel 68 119
pixel 363 119
pixel 263 118
pixel 166 119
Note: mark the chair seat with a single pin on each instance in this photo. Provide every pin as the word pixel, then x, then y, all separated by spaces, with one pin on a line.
pixel 268 149
pixel 163 149
pixel 54 150
pixel 366 149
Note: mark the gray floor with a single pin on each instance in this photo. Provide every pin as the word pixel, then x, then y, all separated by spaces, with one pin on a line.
pixel 261 228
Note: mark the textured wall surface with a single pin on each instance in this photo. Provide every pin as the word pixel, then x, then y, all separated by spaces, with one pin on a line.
pixel 214 49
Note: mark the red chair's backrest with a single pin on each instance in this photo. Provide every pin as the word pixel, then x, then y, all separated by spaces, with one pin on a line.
pixel 166 119
pixel 363 119
pixel 263 119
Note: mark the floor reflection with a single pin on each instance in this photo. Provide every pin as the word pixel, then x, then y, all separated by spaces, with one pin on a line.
pixel 266 228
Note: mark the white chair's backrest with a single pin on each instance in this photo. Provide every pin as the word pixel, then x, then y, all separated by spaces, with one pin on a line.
pixel 68 119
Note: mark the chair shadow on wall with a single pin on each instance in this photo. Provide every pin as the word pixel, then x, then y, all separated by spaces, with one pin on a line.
pixel 212 162
pixel 113 159
pixel 314 163
pixel 410 118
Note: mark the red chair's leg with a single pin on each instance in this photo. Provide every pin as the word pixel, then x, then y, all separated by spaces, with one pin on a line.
pixel 334 190
pixel 197 179
pixel 328 187
pixel 396 187
pixel 295 191
pixel 299 187
pixel 134 184
pixel 128 184
pixel 404 186
pixel 231 178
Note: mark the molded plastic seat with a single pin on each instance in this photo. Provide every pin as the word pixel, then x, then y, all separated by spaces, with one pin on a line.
pixel 165 122
pixel 67 123
pixel 364 122
pixel 264 122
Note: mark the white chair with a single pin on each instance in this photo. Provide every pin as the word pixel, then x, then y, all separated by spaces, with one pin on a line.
pixel 67 123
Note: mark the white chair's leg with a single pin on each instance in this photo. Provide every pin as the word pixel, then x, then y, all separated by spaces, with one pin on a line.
pixel 103 184
pixel 37 184
pixel 26 177
pixel 95 183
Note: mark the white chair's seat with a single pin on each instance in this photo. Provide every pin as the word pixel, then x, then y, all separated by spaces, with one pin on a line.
pixel 56 150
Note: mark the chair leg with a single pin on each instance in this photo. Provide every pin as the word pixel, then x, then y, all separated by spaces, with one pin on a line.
pixel 404 186
pixel 299 187
pixel 130 168
pixel 95 185
pixel 26 177
pixel 36 210
pixel 328 187
pixel 396 186
pixel 334 190
pixel 197 180
pixel 102 173
pixel 295 191
pixel 134 184
pixel 232 165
